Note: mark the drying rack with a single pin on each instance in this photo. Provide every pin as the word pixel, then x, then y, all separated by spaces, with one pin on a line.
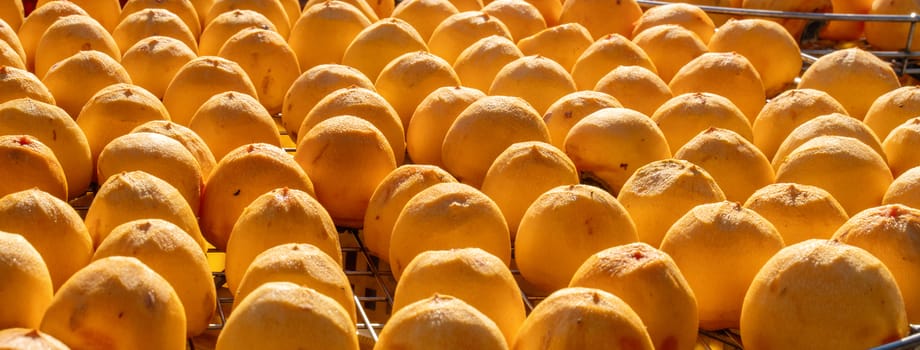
pixel 374 284
pixel 375 287
pixel 903 61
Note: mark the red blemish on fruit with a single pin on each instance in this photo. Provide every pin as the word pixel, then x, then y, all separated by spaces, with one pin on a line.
pixel 638 255
pixel 892 211
pixel 24 140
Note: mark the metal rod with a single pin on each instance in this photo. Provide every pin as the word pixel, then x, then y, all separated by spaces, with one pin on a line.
pixel 367 321
pixel 909 342
pixel 372 267
pixel 793 15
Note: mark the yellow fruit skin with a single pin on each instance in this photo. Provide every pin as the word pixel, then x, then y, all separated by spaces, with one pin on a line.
pixel 52 226
pixel 521 173
pixel 549 9
pixel 900 146
pixel 892 234
pixel 728 74
pixel 788 110
pixel 174 255
pixel 719 247
pixel 12 12
pixel 268 60
pixel 767 45
pixel 150 22
pixel 134 195
pixel 636 88
pixel 786 305
pixel 904 189
pixel 283 315
pixel 567 111
pixel 793 26
pixel 198 80
pixel 187 138
pixel 14 50
pixel 84 312
pixel 346 157
pixel 827 125
pixel 114 111
pixel 312 86
pixel 593 221
pixel 201 8
pixel 522 76
pixel 300 263
pixel 605 54
pixel 838 72
pixel 38 22
pixel 670 47
pixel 157 155
pixel 562 43
pixel 388 200
pixel 431 120
pixel 610 144
pixel 278 217
pixel 104 11
pixel 602 17
pixel 381 42
pixel 472 275
pixel 650 282
pixel 485 129
pixel 890 36
pixel 52 126
pixel 181 8
pixel 686 115
pixel 847 30
pixel 27 163
pixel 851 171
pixel 722 152
pixel 331 26
pixel 478 64
pixel 409 78
pixel 365 104
pixel 424 15
pixel 221 28
pixel 231 119
pixel 93 69
pixel 683 14
pixel 168 54
pixel 272 9
pixel 29 338
pixel 679 183
pixel 521 17
pixel 26 289
pixel 892 109
pixel 446 216
pixel 363 7
pixel 239 178
pixel 461 30
pixel 18 83
pixel 70 35
pixel 9 57
pixel 582 318
pixel 458 326
pixel 799 212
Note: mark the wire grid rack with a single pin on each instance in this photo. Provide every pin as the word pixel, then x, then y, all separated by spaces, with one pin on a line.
pixel 373 282
pixel 904 61
pixel 374 287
